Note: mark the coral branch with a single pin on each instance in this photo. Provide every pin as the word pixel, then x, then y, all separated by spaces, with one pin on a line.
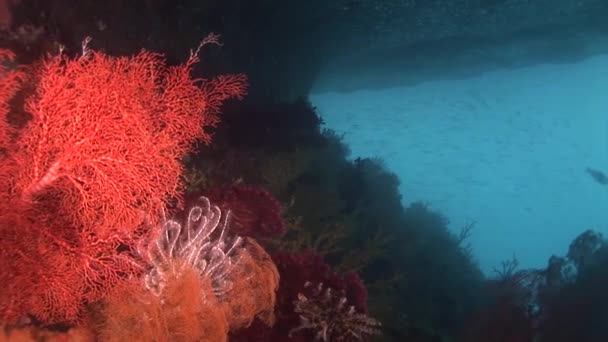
pixel 99 151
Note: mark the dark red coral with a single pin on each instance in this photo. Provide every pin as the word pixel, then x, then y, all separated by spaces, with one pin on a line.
pixel 296 270
pixel 255 211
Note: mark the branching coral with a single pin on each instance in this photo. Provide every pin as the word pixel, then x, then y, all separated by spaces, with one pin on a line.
pixel 87 145
pixel 330 317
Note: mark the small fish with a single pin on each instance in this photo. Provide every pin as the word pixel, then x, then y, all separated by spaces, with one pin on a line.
pixel 599 176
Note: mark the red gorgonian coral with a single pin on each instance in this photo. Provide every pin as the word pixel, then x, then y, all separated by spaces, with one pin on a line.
pixel 99 151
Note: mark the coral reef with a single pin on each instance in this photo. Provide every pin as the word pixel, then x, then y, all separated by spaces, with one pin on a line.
pixel 92 157
pixel 563 302
pixel 349 214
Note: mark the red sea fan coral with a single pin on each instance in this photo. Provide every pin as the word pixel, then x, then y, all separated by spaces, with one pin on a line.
pixel 10 82
pixel 51 274
pixel 106 135
pixel 100 151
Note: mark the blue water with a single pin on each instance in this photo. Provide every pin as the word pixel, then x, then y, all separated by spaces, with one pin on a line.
pixel 507 149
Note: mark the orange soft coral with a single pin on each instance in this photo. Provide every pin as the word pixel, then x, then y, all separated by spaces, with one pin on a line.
pixel 203 282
